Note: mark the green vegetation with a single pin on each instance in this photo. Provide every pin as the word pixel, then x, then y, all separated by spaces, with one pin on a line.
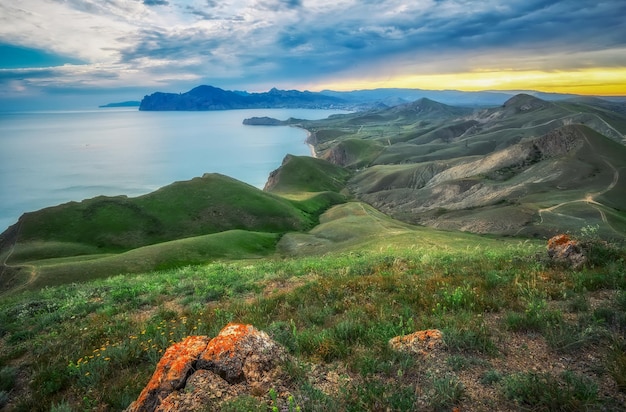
pixel 327 260
pixel 197 221
pixel 96 344
pixel 201 206
pixel 307 174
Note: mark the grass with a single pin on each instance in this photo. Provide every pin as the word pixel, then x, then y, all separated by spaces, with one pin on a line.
pixel 110 283
pixel 308 174
pixel 543 391
pixel 192 222
pixel 95 344
pixel 198 207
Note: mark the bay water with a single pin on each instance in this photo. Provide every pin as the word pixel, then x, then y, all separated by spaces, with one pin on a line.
pixel 53 157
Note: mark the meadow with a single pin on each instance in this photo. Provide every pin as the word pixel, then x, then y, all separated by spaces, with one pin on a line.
pixel 520 333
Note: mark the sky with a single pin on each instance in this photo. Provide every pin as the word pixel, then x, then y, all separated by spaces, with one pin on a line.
pixel 114 50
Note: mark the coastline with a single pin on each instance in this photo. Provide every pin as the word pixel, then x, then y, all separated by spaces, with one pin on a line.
pixel 309 135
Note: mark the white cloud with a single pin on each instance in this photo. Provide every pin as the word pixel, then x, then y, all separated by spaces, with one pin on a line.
pixel 151 42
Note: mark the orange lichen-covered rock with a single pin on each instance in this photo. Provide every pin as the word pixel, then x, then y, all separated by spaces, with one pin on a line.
pixel 420 342
pixel 558 240
pixel 171 372
pixel 204 391
pixel 198 373
pixel 564 250
pixel 241 352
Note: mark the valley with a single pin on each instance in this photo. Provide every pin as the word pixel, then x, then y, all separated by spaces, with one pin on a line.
pixel 415 217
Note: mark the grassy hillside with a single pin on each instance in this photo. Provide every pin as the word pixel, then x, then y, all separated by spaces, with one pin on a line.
pixel 210 204
pixel 184 223
pixel 300 174
pixel 232 244
pixel 519 332
pixel 337 256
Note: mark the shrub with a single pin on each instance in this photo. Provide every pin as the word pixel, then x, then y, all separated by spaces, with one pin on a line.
pixel 446 391
pixel 566 338
pixel 61 407
pixel 490 377
pixel 243 403
pixel 374 395
pixel 7 378
pixel 473 338
pixel 543 391
pixel 536 318
pixel 616 363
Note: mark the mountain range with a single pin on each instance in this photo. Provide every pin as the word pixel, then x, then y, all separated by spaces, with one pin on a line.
pixel 528 167
pixel 214 98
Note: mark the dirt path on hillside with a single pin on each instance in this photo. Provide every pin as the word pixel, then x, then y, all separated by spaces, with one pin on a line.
pixel 6 269
pixel 590 197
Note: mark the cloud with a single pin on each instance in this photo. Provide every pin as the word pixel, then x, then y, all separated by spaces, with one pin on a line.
pixel 290 42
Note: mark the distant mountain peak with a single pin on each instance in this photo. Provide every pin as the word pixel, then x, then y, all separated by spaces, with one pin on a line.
pixel 525 102
pixel 426 106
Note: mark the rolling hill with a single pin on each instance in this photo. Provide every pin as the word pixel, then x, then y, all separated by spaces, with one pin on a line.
pixel 338 257
pixel 199 220
pixel 529 167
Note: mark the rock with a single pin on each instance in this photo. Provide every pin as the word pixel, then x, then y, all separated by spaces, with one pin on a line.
pixel 171 372
pixel 241 352
pixel 564 250
pixel 421 342
pixel 198 373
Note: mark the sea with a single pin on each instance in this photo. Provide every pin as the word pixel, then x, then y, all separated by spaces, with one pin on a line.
pixel 52 157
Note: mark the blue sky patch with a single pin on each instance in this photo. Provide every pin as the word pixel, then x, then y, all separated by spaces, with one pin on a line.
pixel 14 57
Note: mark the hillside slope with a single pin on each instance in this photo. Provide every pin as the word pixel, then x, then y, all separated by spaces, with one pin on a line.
pixel 104 236
pixel 529 167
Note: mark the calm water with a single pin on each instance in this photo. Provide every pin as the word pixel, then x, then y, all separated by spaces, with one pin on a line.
pixel 48 158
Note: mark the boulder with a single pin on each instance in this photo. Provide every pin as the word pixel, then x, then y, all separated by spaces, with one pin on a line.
pixel 566 251
pixel 421 342
pixel 200 373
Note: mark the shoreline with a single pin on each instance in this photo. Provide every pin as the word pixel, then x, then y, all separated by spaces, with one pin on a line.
pixel 309 134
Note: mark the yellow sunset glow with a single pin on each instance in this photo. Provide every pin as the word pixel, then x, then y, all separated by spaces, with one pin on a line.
pixel 599 81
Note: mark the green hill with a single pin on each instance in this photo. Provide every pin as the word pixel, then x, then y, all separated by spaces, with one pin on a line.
pixel 182 223
pixel 336 257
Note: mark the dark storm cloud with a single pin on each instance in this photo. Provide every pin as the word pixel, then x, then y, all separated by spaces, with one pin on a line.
pixel 162 45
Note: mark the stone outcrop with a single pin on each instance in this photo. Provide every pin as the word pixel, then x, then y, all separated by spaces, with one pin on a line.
pixel 566 251
pixel 200 373
pixel 421 342
pixel 213 98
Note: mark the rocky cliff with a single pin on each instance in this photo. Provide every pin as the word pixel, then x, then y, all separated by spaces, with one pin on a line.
pixel 214 98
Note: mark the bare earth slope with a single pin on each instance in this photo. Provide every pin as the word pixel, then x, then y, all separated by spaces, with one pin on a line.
pixel 528 167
